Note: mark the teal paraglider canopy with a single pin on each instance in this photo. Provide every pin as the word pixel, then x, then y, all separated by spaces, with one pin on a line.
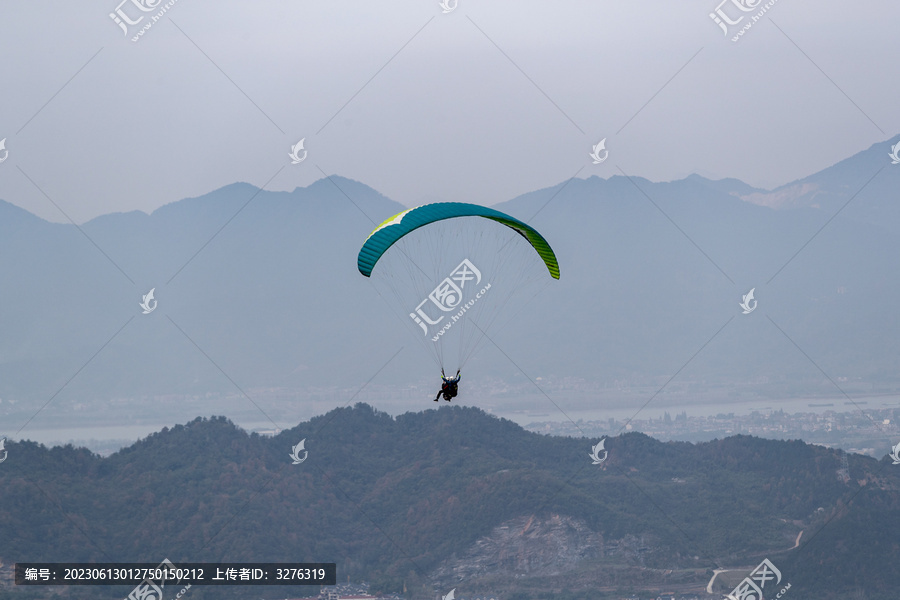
pixel 391 230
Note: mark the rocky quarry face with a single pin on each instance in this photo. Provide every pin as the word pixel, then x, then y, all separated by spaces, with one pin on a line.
pixel 529 546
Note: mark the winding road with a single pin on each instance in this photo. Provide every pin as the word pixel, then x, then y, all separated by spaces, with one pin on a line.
pixel 716 572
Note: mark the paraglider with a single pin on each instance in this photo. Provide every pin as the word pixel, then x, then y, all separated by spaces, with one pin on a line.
pixel 449 387
pixel 456 273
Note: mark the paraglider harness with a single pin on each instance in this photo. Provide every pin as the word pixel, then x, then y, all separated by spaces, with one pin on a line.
pixel 449 387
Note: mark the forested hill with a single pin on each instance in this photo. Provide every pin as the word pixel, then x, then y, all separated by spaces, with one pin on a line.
pixel 394 499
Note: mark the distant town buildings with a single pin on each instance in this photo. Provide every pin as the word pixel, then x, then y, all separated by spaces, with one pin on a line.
pixel 858 432
pixel 349 591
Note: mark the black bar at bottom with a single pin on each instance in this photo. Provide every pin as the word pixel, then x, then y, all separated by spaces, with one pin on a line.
pixel 160 575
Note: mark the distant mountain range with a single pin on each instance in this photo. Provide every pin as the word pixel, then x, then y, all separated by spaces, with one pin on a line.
pixel 455 498
pixel 265 285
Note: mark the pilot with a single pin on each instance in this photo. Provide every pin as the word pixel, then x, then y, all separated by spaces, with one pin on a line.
pixel 449 387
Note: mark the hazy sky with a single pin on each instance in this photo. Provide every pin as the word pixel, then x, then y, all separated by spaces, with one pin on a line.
pixel 480 104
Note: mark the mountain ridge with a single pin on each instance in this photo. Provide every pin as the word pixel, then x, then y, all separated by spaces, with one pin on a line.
pixel 435 490
pixel 265 284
